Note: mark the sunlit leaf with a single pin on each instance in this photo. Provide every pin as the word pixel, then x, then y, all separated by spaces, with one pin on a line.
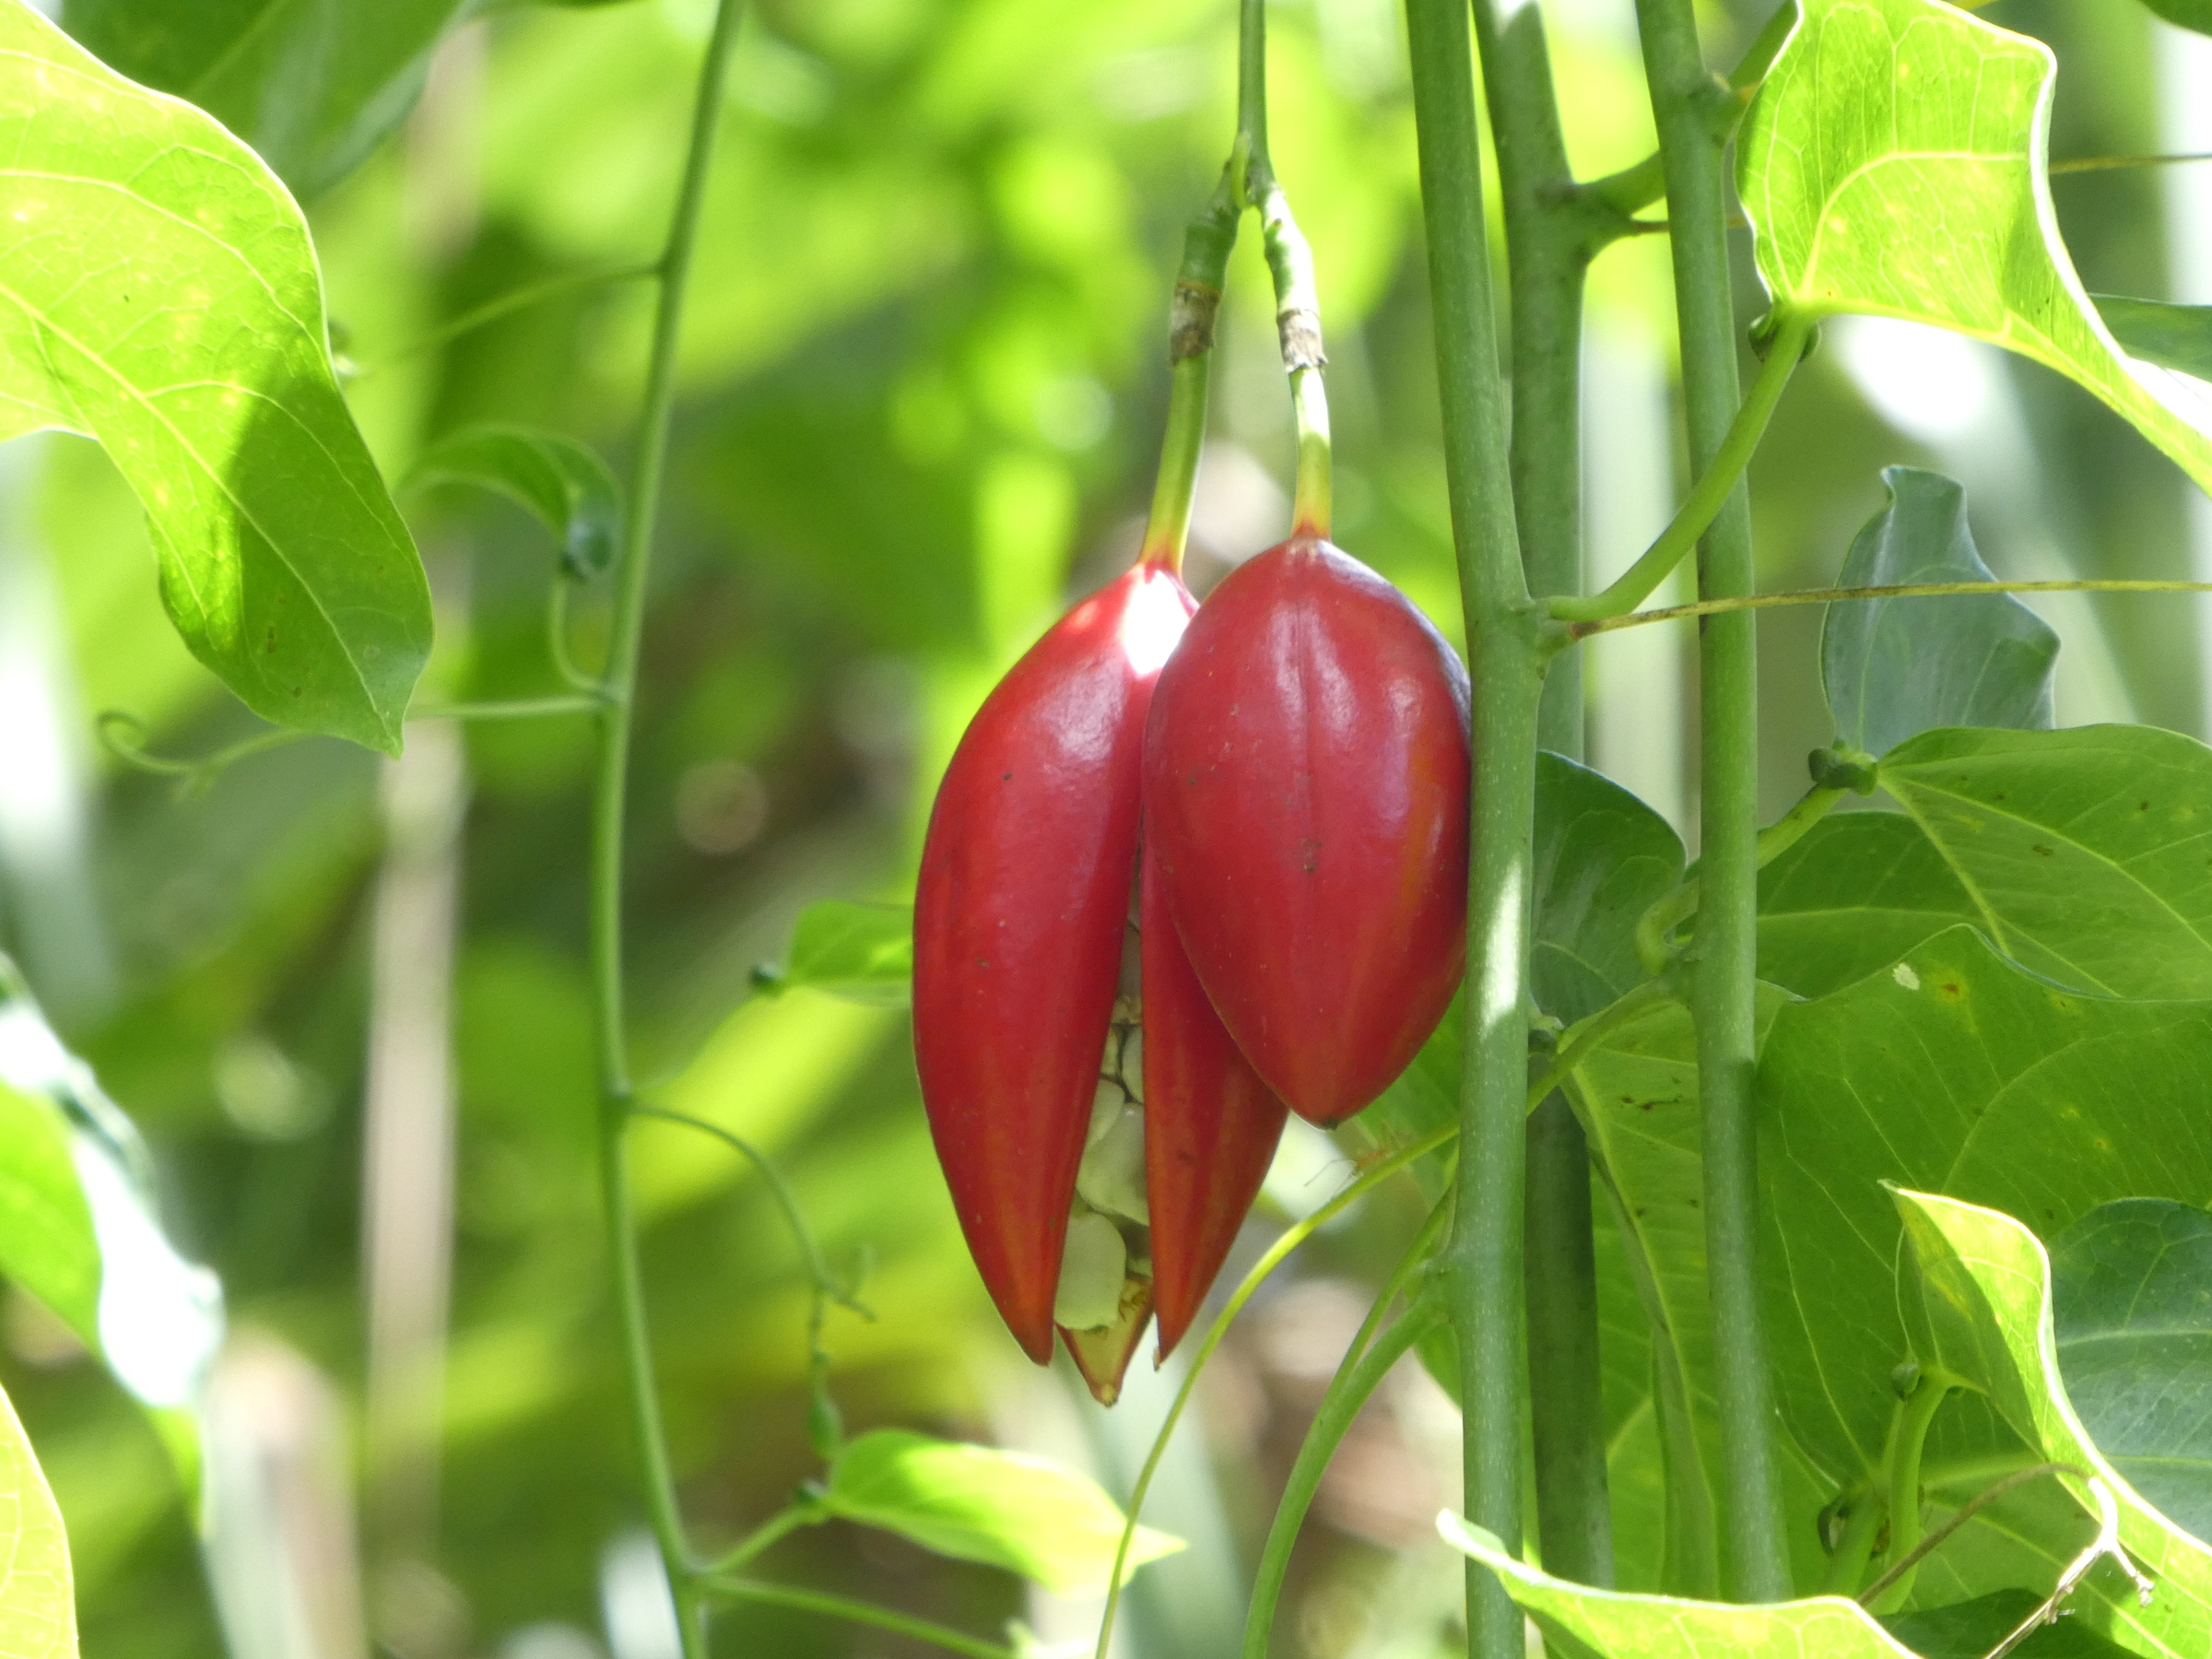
pixel 38 1606
pixel 77 1229
pixel 1854 894
pixel 1605 1624
pixel 2174 337
pixel 2131 1296
pixel 1894 668
pixel 863 953
pixel 1024 1514
pixel 160 293
pixel 2081 850
pixel 1892 164
pixel 311 84
pixel 566 485
pixel 1983 1291
pixel 1957 1073
pixel 1602 859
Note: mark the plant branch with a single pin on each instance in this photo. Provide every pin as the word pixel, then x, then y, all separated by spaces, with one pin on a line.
pixel 1483 1285
pixel 1358 1376
pixel 1552 231
pixel 1276 1254
pixel 1908 1439
pixel 1722 981
pixel 1708 497
pixel 609 802
pixel 1906 590
pixel 1205 249
pixel 512 708
pixel 1655 929
pixel 857 1612
pixel 772 1531
pixel 1959 1517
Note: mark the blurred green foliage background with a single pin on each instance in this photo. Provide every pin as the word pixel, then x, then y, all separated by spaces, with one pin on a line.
pixel 923 377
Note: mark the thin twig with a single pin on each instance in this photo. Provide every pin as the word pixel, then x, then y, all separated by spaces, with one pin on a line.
pixel 838 1606
pixel 1908 589
pixel 2082 164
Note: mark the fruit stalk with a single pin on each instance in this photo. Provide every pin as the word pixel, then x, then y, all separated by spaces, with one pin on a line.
pixel 1756 1563
pixel 1483 1263
pixel 1205 249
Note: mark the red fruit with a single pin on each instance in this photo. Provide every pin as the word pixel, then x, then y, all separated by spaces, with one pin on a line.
pixel 1018 918
pixel 1211 1125
pixel 1306 777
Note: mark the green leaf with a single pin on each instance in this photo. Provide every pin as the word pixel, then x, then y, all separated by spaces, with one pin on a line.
pixel 2174 337
pixel 2132 1295
pixel 311 84
pixel 1578 1621
pixel 2187 14
pixel 77 1226
pixel 1971 1629
pixel 1602 859
pixel 863 953
pixel 1637 1094
pixel 559 480
pixel 1006 1508
pixel 38 1602
pixel 1892 164
pixel 161 295
pixel 1955 1073
pixel 2082 850
pixel 1894 668
pixel 1983 1282
pixel 1854 894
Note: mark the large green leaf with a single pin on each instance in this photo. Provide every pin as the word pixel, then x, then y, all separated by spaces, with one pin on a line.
pixel 1893 669
pixel 1982 1302
pixel 2131 1296
pixel 1892 164
pixel 38 1606
pixel 2187 14
pixel 1854 894
pixel 1021 1512
pixel 160 293
pixel 1957 1073
pixel 1971 1629
pixel 2082 850
pixel 1581 1623
pixel 311 84
pixel 1602 859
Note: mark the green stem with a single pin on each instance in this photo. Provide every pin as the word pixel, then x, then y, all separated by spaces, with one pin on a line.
pixel 1903 590
pixel 1655 929
pixel 1908 1438
pixel 2081 164
pixel 770 1532
pixel 492 311
pixel 1483 1272
pixel 609 797
pixel 123 736
pixel 1723 984
pixel 1205 249
pixel 1357 1379
pixel 1959 1517
pixel 1848 1565
pixel 1298 326
pixel 1276 1254
pixel 1716 487
pixel 512 708
pixel 1552 231
pixel 856 1612
pixel 557 638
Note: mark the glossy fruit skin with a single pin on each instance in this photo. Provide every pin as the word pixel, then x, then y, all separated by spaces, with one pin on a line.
pixel 1211 1125
pixel 1018 919
pixel 1306 784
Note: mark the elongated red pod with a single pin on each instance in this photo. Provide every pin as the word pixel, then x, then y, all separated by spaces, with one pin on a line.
pixel 1018 915
pixel 1211 1125
pixel 1306 775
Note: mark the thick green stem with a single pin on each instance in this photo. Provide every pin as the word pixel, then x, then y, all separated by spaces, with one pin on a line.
pixel 1756 1562
pixel 1861 1526
pixel 1908 1438
pixel 1716 487
pixel 1483 1285
pixel 1552 231
pixel 1298 324
pixel 609 797
pixel 1356 1380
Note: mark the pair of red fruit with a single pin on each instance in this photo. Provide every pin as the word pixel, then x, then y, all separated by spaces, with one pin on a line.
pixel 1281 776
